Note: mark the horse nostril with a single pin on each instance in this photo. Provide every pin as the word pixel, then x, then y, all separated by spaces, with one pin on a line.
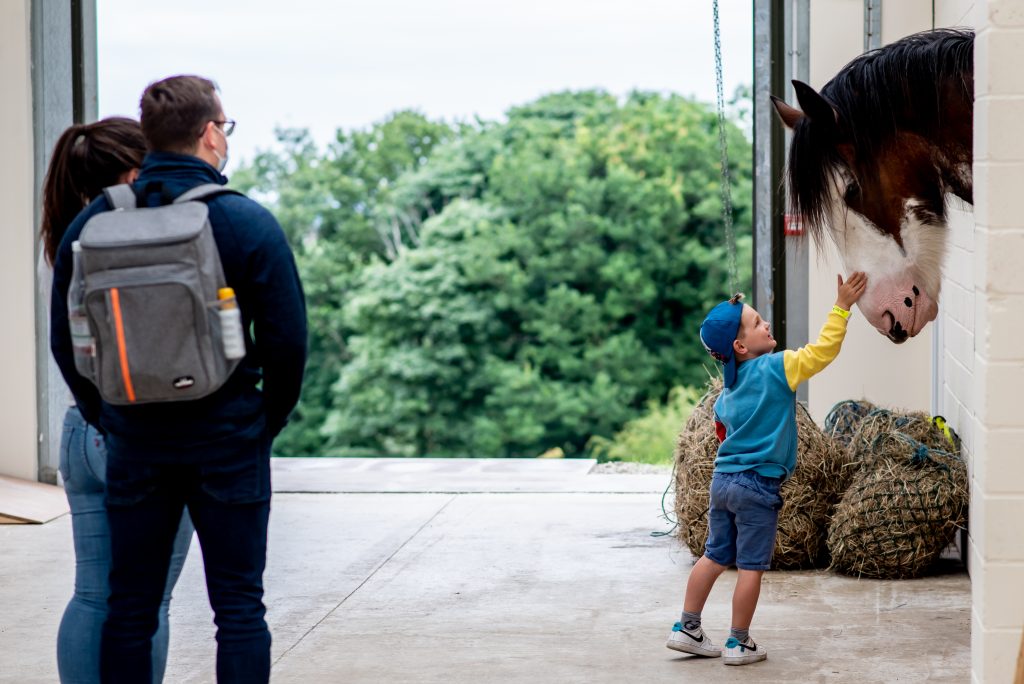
pixel 909 302
pixel 897 334
pixel 916 291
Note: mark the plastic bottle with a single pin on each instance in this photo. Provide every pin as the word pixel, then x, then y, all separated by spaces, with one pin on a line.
pixel 230 324
pixel 83 344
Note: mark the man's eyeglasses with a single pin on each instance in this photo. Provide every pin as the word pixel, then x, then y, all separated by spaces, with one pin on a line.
pixel 227 125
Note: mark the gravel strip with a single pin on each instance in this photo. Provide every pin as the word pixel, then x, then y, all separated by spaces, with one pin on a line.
pixel 629 468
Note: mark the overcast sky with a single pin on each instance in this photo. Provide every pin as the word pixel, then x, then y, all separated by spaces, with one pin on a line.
pixel 325 64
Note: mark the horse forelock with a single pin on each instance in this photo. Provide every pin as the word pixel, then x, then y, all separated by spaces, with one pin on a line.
pixel 901 85
pixel 813 166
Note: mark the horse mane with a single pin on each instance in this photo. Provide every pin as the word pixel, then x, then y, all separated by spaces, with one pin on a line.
pixel 897 86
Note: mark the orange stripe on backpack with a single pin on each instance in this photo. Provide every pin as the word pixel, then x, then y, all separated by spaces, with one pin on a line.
pixel 122 348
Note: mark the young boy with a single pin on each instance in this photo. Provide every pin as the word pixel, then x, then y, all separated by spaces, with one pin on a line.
pixel 755 417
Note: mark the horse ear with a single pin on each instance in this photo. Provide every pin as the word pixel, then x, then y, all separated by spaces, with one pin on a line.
pixel 816 108
pixel 790 116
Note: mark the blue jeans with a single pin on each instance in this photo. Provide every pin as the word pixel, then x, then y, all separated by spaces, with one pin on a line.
pixel 83 465
pixel 743 519
pixel 229 502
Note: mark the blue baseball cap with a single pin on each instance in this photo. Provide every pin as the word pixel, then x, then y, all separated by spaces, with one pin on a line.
pixel 717 333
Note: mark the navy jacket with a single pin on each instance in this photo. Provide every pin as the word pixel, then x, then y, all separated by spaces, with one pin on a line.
pixel 253 406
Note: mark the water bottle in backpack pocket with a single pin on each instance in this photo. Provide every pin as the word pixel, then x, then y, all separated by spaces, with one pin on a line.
pixel 230 318
pixel 83 344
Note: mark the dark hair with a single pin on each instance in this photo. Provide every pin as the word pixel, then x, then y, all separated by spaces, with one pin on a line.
pixel 86 159
pixel 175 110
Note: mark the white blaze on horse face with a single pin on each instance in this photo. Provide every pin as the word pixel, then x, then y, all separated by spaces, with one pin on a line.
pixel 903 284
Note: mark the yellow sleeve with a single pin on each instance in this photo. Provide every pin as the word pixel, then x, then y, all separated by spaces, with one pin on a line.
pixel 807 361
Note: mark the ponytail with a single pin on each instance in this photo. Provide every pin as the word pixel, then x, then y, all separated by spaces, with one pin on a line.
pixel 86 159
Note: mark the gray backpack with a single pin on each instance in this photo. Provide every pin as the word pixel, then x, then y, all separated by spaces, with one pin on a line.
pixel 151 317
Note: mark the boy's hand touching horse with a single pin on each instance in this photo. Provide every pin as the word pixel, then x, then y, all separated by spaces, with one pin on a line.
pixel 851 290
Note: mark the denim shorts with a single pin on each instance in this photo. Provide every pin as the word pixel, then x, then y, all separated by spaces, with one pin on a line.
pixel 743 519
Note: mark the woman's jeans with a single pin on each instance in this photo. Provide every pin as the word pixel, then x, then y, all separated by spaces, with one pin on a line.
pixel 83 464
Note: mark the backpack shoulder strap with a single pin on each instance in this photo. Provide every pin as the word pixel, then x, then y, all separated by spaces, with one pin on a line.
pixel 205 191
pixel 120 196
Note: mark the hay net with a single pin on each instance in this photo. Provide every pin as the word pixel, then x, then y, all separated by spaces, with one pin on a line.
pixel 843 418
pixel 903 507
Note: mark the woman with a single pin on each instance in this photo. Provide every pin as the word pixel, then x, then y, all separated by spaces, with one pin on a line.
pixel 86 159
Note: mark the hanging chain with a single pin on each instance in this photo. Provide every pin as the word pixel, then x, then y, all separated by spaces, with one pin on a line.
pixel 730 235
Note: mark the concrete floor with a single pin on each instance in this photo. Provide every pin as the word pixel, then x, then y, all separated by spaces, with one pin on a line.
pixel 473 571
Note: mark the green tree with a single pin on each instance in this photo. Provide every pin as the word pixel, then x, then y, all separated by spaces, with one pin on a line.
pixel 327 205
pixel 517 286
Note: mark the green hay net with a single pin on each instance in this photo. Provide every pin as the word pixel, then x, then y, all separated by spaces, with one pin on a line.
pixel 901 510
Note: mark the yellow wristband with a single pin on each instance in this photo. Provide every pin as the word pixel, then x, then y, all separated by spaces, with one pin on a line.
pixel 841 311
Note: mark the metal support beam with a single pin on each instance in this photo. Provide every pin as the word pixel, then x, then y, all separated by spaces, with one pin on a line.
pixel 798 66
pixel 63 92
pixel 872 25
pixel 769 200
pixel 85 72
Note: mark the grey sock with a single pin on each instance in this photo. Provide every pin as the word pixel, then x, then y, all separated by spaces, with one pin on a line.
pixel 741 635
pixel 691 621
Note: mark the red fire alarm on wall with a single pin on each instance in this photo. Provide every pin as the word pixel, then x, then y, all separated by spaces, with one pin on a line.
pixel 792 226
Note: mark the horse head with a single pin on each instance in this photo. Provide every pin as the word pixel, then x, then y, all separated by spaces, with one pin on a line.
pixel 872 158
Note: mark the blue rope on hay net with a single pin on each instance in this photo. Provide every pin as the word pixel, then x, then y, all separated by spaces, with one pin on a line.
pixel 843 418
pixel 921 454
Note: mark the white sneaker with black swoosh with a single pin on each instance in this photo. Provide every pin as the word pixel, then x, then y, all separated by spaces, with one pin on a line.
pixel 743 652
pixel 692 641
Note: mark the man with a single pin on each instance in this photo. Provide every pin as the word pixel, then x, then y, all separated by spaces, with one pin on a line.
pixel 210 454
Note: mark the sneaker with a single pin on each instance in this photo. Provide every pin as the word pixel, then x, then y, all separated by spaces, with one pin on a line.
pixel 695 642
pixel 742 652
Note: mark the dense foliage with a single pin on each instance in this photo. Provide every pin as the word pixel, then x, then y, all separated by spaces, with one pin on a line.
pixel 500 289
pixel 652 437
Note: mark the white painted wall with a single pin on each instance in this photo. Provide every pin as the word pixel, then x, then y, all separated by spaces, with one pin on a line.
pixel 870 366
pixel 18 429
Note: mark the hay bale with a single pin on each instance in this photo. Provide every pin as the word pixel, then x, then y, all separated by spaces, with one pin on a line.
pixel 899 513
pixel 916 425
pixel 693 481
pixel 705 408
pixel 843 419
pixel 807 496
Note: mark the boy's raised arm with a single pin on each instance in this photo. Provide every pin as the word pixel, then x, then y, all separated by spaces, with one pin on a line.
pixel 811 359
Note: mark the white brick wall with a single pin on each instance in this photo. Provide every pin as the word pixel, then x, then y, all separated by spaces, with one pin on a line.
pixel 992 397
pixel 955 357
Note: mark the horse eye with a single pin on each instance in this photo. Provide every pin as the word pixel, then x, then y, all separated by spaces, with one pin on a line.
pixel 852 192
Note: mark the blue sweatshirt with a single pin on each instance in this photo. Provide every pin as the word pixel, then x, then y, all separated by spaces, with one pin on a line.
pixel 759 410
pixel 253 406
pixel 759 414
